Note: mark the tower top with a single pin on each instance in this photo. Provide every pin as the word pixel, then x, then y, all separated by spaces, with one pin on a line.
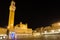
pixel 12 6
pixel 12 2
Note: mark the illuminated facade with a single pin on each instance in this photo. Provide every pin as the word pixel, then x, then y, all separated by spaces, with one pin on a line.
pixel 3 30
pixel 56 25
pixel 11 15
pixel 22 29
pixel 19 28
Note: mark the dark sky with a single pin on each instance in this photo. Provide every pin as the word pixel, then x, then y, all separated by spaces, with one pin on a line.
pixel 35 13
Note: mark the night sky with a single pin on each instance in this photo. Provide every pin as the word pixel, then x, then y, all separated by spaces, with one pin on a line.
pixel 35 13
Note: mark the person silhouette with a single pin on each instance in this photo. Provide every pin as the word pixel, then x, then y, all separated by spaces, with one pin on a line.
pixel 13 36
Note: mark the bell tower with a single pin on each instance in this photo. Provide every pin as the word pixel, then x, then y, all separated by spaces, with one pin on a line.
pixel 12 9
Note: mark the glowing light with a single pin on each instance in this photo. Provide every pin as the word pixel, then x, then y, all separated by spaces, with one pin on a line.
pixel 0 37
pixel 45 31
pixel 3 36
pixel 11 24
pixel 36 34
pixel 52 31
pixel 58 23
pixel 59 30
